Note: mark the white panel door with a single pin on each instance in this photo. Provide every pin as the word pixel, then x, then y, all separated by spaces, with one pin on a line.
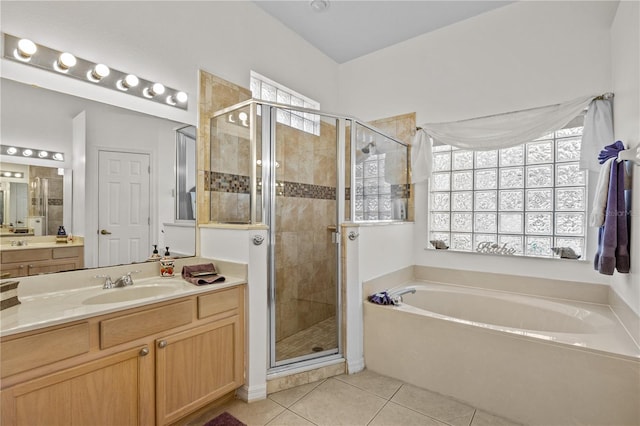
pixel 124 207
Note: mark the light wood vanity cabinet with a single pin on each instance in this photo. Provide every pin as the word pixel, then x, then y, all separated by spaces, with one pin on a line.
pixel 20 263
pixel 114 372
pixel 106 391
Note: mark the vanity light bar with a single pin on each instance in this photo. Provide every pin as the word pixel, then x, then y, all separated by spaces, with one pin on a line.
pixel 64 63
pixel 16 151
pixel 9 174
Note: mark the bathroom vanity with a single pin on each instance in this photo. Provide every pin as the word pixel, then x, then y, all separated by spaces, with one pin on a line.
pixel 124 363
pixel 39 255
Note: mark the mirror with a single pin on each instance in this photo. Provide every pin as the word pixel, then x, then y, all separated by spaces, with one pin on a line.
pixel 126 183
pixel 32 200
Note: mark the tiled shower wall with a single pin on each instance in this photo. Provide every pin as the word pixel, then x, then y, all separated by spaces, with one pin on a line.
pixel 215 94
pixel 403 128
pixel 305 214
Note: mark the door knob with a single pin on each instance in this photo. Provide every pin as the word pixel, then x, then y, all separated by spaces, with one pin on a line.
pixel 105 232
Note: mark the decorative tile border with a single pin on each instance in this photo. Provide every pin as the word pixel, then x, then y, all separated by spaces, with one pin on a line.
pixel 50 202
pixel 226 182
pixel 305 190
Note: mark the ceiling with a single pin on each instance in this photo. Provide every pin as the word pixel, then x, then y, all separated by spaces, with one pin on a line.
pixel 348 29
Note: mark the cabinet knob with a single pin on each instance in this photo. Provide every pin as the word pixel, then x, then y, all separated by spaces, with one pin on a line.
pixel 144 351
pixel 162 344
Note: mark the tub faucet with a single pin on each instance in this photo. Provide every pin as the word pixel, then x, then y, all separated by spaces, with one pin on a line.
pixel 396 295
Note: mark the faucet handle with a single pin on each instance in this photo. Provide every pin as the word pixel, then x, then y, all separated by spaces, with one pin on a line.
pixel 108 283
pixel 127 278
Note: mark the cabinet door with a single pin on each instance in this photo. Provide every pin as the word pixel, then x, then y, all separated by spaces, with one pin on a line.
pixel 13 270
pixel 108 391
pixel 197 366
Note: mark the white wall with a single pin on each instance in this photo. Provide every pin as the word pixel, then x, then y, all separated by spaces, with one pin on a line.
pixel 168 42
pixel 118 129
pixel 519 56
pixel 625 64
pixel 236 245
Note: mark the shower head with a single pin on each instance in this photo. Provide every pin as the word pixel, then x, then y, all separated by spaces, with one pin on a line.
pixel 367 148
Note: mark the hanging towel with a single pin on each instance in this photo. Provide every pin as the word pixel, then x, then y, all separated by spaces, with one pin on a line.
pixel 421 157
pixel 613 236
pixel 596 219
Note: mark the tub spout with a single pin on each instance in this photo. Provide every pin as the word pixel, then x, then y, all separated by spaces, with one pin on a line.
pixel 396 295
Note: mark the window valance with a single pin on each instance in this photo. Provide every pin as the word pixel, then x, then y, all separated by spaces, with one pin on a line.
pixel 514 128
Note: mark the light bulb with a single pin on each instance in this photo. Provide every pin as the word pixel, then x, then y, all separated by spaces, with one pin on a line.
pixel 156 89
pixel 11 150
pixel 98 72
pixel 182 97
pixel 27 152
pixel 7 174
pixel 129 81
pixel 26 49
pixel 243 116
pixel 43 154
pixel 65 61
pixel 58 156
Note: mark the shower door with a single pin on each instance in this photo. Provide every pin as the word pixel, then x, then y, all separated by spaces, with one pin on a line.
pixel 304 246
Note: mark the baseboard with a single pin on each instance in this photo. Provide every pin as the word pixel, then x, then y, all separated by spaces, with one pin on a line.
pixel 355 366
pixel 255 393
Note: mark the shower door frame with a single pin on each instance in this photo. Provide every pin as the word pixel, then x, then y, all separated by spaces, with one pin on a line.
pixel 269 217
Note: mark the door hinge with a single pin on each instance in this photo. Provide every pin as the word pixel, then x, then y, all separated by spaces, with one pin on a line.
pixel 335 237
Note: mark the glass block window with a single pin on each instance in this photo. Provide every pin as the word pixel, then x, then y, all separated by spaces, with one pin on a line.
pixel 268 90
pixel 523 200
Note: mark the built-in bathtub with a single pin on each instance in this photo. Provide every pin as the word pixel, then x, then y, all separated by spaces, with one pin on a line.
pixel 532 359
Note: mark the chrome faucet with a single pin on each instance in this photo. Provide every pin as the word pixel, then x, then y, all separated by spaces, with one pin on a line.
pixel 396 295
pixel 107 281
pixel 124 280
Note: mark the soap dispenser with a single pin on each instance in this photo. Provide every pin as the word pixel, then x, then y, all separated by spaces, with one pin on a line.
pixel 167 264
pixel 155 255
pixel 62 235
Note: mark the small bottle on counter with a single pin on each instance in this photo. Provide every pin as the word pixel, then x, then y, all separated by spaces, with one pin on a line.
pixel 155 255
pixel 167 264
pixel 62 235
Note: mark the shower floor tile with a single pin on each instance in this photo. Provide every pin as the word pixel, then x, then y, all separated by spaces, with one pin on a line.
pixel 322 335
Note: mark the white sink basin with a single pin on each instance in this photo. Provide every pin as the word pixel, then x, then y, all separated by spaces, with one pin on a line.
pixel 127 294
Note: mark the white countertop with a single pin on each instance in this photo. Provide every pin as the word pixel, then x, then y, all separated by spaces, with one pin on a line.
pixel 59 307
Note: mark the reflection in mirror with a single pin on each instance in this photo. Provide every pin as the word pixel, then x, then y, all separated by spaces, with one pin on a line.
pixel 83 193
pixel 32 199
pixel 186 174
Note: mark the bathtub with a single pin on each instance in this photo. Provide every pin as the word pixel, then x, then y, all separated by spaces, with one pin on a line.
pixel 534 360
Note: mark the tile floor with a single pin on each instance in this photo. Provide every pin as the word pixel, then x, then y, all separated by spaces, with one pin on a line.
pixel 365 398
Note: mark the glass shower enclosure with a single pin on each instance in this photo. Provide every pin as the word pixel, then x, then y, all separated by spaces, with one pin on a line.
pixel 290 169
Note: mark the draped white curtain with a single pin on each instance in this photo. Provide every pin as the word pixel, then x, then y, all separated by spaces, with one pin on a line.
pixel 598 132
pixel 506 130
